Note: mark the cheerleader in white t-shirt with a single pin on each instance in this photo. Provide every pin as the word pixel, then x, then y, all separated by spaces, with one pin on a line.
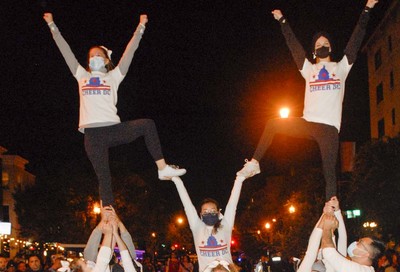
pixel 98 118
pixel 325 85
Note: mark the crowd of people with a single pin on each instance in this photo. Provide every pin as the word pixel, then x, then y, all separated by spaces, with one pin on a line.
pixel 266 262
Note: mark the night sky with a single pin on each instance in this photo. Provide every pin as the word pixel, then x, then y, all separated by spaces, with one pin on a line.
pixel 210 73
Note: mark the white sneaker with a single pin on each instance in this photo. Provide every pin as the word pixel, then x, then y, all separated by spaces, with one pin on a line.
pixel 250 169
pixel 171 171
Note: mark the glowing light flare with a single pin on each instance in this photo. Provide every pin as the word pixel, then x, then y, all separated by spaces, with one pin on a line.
pixel 284 112
pixel 96 209
pixel 179 220
pixel 370 225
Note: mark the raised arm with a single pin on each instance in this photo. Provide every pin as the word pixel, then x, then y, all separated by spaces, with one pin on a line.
pixel 126 258
pixel 342 239
pixel 230 210
pixel 133 44
pixel 358 34
pixel 63 46
pixel 125 235
pixel 297 50
pixel 312 248
pixel 190 210
pixel 92 246
pixel 107 245
pixel 330 254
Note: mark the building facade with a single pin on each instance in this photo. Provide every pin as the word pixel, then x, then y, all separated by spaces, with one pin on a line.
pixel 14 176
pixel 383 57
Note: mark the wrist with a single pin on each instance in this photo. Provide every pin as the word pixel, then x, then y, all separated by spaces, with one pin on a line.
pixel 282 20
pixel 367 9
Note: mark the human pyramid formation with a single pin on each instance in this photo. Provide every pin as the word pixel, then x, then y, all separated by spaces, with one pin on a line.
pixel 324 92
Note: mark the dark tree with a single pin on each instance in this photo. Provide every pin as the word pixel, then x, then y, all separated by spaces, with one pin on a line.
pixel 375 186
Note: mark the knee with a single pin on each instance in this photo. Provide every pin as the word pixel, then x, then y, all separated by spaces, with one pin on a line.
pixel 149 123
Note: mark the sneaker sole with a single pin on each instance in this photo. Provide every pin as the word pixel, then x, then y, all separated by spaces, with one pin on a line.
pixel 170 177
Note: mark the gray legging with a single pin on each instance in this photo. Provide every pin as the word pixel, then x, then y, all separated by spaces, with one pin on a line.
pixel 99 140
pixel 325 135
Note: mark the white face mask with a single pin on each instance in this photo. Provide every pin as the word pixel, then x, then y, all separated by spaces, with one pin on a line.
pixel 96 63
pixel 352 247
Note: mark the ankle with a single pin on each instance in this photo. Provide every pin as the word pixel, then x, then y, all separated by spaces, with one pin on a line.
pixel 161 164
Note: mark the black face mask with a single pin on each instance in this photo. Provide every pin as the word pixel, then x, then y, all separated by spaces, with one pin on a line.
pixel 322 52
pixel 210 219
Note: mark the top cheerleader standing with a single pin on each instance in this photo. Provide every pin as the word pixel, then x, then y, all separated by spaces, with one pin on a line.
pixel 98 118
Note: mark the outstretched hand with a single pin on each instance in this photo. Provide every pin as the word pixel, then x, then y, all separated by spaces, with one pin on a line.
pixel 277 14
pixel 105 212
pixel 371 3
pixel 107 228
pixel 328 208
pixel 143 19
pixel 48 17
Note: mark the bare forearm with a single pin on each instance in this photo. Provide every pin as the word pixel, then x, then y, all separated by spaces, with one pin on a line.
pixel 120 243
pixel 327 240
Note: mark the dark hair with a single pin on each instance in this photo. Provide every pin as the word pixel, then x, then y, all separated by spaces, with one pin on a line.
pixel 317 36
pixel 378 248
pixel 186 257
pixel 208 200
pixel 211 200
pixel 10 264
pixel 109 66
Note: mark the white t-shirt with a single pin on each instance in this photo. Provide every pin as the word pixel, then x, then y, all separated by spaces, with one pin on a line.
pixel 325 84
pixel 98 97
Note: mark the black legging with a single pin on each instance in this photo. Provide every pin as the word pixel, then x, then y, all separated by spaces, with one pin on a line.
pixel 325 135
pixel 99 140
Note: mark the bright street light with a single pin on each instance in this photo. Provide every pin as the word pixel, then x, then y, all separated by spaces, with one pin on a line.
pixel 284 112
pixel 96 209
pixel 370 225
pixel 179 220
pixel 292 209
pixel 267 225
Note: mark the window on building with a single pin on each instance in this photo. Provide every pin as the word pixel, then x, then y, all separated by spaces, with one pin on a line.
pixel 393 116
pixel 379 93
pixel 391 80
pixel 378 59
pixel 381 128
pixel 390 43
